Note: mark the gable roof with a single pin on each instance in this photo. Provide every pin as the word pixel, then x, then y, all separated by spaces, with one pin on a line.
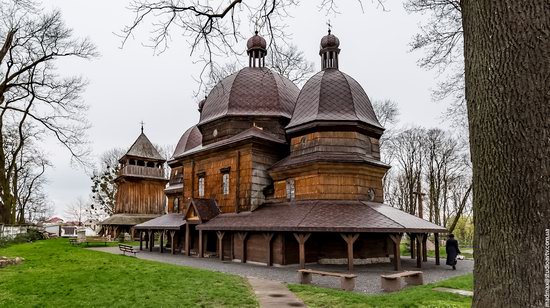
pixel 143 148
pixel 205 209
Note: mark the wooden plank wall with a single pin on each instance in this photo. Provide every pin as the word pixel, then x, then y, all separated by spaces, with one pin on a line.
pixel 140 196
pixel 230 126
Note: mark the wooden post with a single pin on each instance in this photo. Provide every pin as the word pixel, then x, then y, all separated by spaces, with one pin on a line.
pixel 147 241
pixel 425 247
pixel 302 238
pixel 140 240
pixel 412 237
pixel 350 239
pixel 436 240
pixel 187 244
pixel 232 248
pixel 220 235
pixel 201 247
pixel 396 239
pixel 242 236
pixel 162 241
pixel 172 247
pixel 419 250
pixel 151 240
pixel 268 237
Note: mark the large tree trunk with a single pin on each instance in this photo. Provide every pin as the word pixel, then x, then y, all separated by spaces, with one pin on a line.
pixel 506 44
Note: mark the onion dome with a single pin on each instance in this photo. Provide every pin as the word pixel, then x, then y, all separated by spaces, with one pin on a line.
pixel 191 139
pixel 256 42
pixel 330 41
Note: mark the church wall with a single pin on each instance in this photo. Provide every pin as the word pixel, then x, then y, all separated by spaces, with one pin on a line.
pixel 263 158
pixel 140 196
pixel 326 141
pixel 331 181
pixel 239 162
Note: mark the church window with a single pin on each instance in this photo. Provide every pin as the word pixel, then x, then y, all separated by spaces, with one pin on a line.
pixel 290 190
pixel 225 180
pixel 201 186
pixel 176 205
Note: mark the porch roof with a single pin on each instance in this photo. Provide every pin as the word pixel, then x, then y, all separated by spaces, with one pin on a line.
pixel 127 219
pixel 172 221
pixel 323 216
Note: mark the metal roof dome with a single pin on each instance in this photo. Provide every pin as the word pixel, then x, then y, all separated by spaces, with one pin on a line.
pixel 191 139
pixel 332 96
pixel 256 42
pixel 252 91
pixel 330 40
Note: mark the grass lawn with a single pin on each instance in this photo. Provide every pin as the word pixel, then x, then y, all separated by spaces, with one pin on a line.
pixel 57 274
pixel 419 296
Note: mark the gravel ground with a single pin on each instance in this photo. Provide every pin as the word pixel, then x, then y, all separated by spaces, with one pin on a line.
pixel 368 280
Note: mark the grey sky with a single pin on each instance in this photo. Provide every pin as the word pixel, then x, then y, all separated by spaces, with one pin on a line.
pixel 131 84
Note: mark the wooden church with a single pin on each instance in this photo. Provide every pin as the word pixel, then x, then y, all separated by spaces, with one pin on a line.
pixel 273 174
pixel 140 188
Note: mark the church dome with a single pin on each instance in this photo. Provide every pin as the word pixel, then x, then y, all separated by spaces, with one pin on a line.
pixel 332 96
pixel 256 42
pixel 252 91
pixel 330 41
pixel 191 139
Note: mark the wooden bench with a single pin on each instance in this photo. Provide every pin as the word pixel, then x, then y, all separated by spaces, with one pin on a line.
pixel 127 248
pixel 392 282
pixel 73 241
pixel 347 281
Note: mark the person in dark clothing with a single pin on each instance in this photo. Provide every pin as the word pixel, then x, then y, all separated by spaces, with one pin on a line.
pixel 451 247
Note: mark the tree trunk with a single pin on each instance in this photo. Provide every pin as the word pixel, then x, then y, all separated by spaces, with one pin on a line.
pixel 506 49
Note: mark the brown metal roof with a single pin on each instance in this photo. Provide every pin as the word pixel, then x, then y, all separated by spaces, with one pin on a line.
pixel 330 40
pixel 250 92
pixel 127 219
pixel 172 221
pixel 143 148
pixel 192 138
pixel 323 216
pixel 332 95
pixel 295 160
pixel 206 209
pixel 251 133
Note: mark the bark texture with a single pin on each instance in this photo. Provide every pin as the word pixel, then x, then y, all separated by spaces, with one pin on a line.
pixel 506 44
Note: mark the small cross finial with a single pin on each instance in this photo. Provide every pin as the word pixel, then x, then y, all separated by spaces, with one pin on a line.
pixel 142 126
pixel 329 26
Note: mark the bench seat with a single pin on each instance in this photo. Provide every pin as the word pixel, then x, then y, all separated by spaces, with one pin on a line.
pixel 127 248
pixel 392 282
pixel 347 280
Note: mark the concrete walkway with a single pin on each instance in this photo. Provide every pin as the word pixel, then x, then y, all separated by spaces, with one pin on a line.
pixel 274 294
pixel 368 280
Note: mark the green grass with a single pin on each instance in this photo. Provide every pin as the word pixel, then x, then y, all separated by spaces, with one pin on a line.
pixel 418 296
pixel 56 274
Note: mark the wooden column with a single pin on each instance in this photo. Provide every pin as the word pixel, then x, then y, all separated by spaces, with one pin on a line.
pixel 350 239
pixel 151 240
pixel 220 235
pixel 268 237
pixel 425 247
pixel 232 248
pixel 147 241
pixel 201 247
pixel 140 240
pixel 242 236
pixel 419 250
pixel 396 239
pixel 412 237
pixel 436 242
pixel 302 238
pixel 187 242
pixel 162 241
pixel 172 247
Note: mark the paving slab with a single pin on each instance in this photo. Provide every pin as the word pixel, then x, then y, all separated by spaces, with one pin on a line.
pixel 274 294
pixel 455 291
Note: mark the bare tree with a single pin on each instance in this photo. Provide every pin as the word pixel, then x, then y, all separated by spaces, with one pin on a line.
pixel 77 210
pixel 104 187
pixel 31 93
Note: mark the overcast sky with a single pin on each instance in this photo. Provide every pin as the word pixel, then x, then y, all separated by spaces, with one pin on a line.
pixel 132 84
